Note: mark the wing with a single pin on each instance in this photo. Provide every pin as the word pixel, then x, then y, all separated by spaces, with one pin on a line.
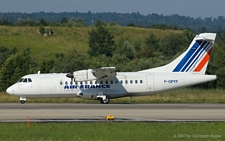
pixel 104 72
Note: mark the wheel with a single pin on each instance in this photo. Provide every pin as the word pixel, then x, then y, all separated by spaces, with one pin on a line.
pixel 22 101
pixel 106 101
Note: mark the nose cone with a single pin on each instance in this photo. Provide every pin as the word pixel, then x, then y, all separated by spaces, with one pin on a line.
pixel 10 90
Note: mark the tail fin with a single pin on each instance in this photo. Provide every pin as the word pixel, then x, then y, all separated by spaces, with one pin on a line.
pixel 194 60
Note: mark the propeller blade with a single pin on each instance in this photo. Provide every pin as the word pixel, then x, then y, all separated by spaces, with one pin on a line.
pixel 70 75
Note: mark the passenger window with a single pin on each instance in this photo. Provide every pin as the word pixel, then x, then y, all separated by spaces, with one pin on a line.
pixel 25 80
pixel 136 81
pixel 141 81
pixel 85 82
pixel 126 81
pixel 116 81
pixel 29 80
pixel 90 82
pixel 106 82
pixel 71 82
pixel 111 82
pixel 66 83
pixel 76 83
pixel 61 83
pixel 81 83
pixel 101 82
pixel 96 82
pixel 131 82
pixel 121 81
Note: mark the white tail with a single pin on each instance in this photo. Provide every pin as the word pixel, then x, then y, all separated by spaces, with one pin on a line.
pixel 194 60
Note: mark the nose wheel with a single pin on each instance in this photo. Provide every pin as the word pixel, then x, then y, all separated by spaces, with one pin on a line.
pixel 22 100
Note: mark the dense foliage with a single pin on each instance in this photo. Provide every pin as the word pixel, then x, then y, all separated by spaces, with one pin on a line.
pixel 101 42
pixel 131 19
pixel 14 67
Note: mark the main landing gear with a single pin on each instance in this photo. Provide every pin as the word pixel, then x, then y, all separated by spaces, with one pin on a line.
pixel 103 99
pixel 22 100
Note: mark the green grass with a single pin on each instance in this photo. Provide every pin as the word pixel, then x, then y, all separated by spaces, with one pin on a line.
pixel 183 95
pixel 66 39
pixel 129 131
pixel 63 39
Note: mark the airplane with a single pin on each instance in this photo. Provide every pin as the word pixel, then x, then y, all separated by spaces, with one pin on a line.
pixel 105 83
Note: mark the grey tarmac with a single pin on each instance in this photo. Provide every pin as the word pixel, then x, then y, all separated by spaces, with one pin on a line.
pixel 73 112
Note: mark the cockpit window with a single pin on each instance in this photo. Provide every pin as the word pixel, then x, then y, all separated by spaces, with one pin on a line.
pixel 25 80
pixel 21 80
pixel 29 80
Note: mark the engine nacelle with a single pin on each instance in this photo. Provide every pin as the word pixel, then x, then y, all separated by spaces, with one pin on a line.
pixel 93 74
pixel 83 75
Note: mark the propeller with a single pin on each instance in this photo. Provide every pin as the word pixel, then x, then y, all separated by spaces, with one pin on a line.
pixel 70 75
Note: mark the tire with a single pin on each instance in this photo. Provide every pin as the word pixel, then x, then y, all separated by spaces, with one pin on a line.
pixel 22 101
pixel 106 101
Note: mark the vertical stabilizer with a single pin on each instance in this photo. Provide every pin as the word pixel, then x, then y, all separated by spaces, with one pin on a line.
pixel 194 60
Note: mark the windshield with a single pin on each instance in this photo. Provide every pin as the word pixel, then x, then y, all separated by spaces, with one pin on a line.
pixel 25 80
pixel 21 80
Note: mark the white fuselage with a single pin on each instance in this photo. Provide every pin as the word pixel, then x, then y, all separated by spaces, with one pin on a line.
pixel 124 84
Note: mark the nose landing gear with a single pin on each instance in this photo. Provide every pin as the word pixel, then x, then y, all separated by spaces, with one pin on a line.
pixel 22 100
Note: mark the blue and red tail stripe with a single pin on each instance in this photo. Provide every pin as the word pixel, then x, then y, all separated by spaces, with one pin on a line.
pixel 200 53
pixel 194 55
pixel 203 62
pixel 200 57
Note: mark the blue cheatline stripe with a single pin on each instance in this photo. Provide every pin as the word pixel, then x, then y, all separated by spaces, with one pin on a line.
pixel 195 55
pixel 187 56
pixel 199 56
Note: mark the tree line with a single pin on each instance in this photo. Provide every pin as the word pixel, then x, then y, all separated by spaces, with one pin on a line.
pixel 123 19
pixel 104 51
